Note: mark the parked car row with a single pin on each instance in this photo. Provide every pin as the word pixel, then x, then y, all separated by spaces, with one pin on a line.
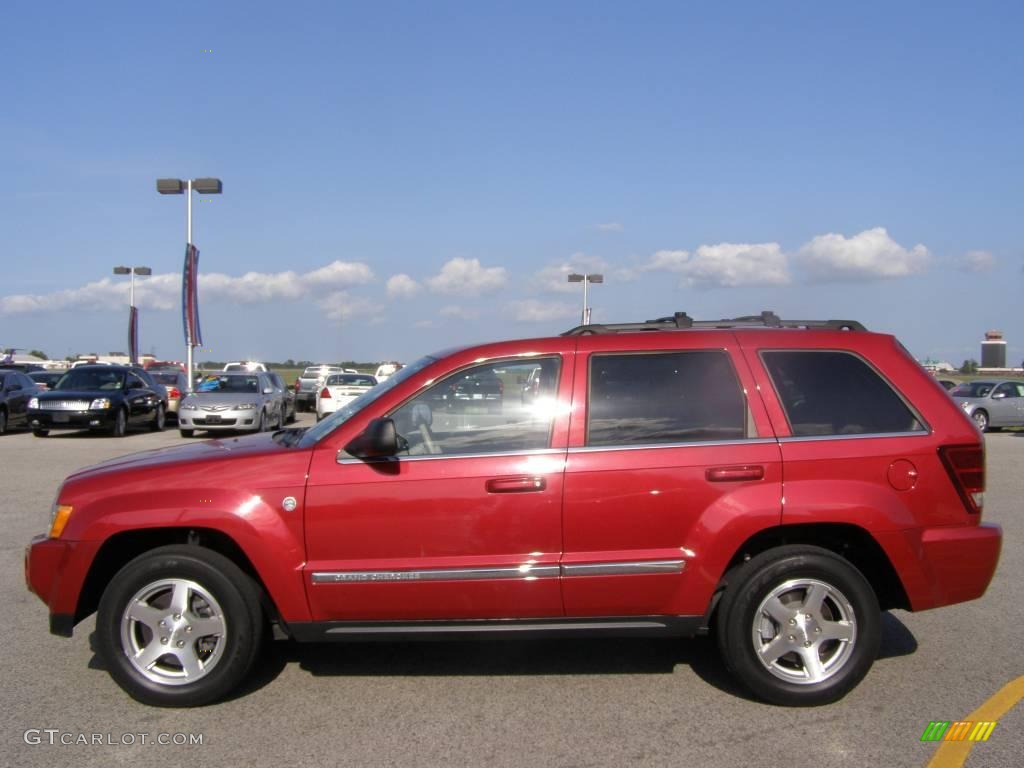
pixel 253 401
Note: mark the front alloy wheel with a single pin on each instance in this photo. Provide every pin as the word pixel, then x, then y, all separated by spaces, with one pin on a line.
pixel 179 626
pixel 981 419
pixel 799 625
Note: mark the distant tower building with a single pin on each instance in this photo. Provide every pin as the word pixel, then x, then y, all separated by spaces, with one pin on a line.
pixel 993 350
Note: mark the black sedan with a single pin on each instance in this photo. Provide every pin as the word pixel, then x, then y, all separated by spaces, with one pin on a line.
pixel 15 391
pixel 99 397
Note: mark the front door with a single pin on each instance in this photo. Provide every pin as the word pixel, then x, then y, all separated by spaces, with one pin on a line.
pixel 465 523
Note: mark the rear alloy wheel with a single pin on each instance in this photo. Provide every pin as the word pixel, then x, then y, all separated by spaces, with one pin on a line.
pixel 159 419
pixel 799 626
pixel 981 419
pixel 120 428
pixel 179 626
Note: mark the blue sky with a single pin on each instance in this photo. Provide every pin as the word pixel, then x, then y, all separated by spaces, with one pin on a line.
pixel 403 177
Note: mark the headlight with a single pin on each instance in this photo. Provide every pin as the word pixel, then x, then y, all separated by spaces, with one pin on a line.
pixel 245 407
pixel 33 402
pixel 965 406
pixel 188 405
pixel 99 404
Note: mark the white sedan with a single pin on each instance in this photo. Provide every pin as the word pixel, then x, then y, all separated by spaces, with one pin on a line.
pixel 341 388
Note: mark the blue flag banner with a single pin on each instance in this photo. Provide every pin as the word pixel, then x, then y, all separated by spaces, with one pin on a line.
pixel 133 335
pixel 190 298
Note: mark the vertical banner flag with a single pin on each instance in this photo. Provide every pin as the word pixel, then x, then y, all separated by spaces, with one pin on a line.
pixel 133 335
pixel 190 297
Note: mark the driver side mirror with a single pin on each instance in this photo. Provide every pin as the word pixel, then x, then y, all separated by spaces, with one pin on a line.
pixel 379 440
pixel 268 390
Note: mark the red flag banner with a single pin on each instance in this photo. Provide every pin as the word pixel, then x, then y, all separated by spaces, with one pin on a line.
pixel 190 297
pixel 133 335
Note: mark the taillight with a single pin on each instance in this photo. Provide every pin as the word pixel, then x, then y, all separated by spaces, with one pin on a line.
pixel 325 393
pixel 966 467
pixel 174 394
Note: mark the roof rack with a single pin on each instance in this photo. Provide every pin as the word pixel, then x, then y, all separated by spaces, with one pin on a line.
pixel 681 321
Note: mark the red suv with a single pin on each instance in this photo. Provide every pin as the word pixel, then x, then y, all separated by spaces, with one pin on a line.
pixel 776 483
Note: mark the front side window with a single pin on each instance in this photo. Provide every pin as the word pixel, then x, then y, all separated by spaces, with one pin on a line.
pixel 1008 389
pixel 664 397
pixel 500 407
pixel 836 393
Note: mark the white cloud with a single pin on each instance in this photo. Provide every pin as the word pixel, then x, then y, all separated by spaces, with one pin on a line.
pixel 163 291
pixel 339 274
pixel 459 313
pixel 727 265
pixel 668 261
pixel 534 311
pixel 978 261
pixel 870 255
pixel 465 277
pixel 401 286
pixel 341 306
pixel 611 226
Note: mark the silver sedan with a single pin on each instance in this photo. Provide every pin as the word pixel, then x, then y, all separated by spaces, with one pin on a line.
pixel 230 402
pixel 993 403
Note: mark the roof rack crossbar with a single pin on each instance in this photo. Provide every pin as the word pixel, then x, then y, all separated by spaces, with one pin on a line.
pixel 682 321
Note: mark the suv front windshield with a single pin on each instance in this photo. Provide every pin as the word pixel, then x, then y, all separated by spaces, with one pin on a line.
pixel 315 434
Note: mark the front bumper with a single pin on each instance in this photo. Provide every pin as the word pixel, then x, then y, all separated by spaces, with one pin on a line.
pixel 92 419
pixel 55 571
pixel 233 421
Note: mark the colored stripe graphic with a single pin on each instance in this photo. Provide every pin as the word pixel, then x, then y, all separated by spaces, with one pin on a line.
pixel 953 754
pixel 935 731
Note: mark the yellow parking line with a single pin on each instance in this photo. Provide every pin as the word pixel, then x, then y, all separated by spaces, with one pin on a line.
pixel 953 754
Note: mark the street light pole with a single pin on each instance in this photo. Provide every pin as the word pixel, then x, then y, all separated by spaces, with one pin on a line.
pixel 132 329
pixel 586 279
pixel 204 186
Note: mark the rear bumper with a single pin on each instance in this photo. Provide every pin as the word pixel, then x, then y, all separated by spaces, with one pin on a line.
pixel 953 565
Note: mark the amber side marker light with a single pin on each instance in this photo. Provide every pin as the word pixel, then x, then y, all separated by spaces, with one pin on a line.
pixel 60 518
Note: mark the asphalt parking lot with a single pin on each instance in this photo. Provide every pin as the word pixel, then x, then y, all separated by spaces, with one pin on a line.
pixel 504 703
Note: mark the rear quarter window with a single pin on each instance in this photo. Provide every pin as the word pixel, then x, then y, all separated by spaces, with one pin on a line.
pixel 826 392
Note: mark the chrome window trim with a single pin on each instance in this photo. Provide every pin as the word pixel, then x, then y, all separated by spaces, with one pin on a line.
pixel 652 446
pixel 525 571
pixel 864 436
pixel 436 457
pixel 632 568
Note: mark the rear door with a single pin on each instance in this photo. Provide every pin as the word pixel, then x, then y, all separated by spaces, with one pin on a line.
pixel 671 459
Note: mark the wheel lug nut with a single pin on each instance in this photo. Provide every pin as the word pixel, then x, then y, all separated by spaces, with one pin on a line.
pixel 807 644
pixel 792 622
pixel 177 616
pixel 792 638
pixel 182 645
pixel 163 623
pixel 163 641
pixel 189 629
pixel 817 630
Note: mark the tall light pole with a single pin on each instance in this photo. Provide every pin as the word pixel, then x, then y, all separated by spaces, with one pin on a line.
pixel 133 328
pixel 204 186
pixel 586 279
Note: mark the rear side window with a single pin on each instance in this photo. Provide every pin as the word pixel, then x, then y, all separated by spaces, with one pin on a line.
pixel 836 393
pixel 664 397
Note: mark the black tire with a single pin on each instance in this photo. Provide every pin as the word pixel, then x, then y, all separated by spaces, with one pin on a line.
pixel 3 421
pixel 187 432
pixel 120 426
pixel 159 419
pixel 220 661
pixel 843 632
pixel 40 432
pixel 981 419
